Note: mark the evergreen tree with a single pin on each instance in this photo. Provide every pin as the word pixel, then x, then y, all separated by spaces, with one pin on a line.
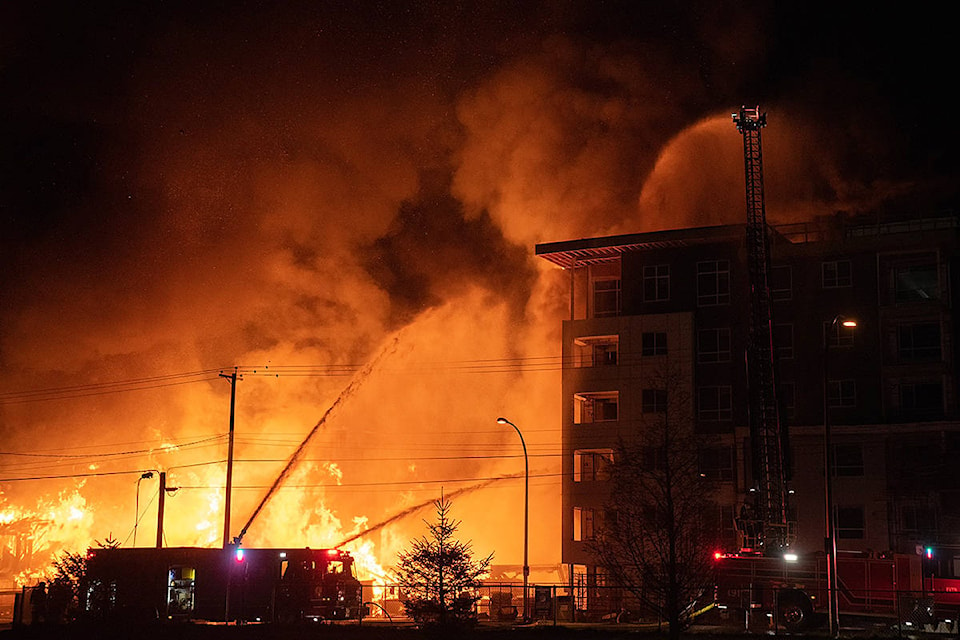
pixel 438 574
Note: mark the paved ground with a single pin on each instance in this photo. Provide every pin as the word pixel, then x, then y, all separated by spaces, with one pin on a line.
pixel 370 631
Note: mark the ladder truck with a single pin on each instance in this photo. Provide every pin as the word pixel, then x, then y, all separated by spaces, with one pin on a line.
pixel 765 577
pixel 763 524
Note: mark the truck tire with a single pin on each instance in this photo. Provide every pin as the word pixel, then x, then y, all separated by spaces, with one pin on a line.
pixel 794 611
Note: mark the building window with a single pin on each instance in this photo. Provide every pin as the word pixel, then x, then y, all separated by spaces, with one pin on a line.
pixel 836 274
pixel 595 351
pixel 787 397
pixel 713 345
pixel 716 463
pixel 654 400
pixel 781 282
pixel 848 460
pixel 713 283
pixel 842 394
pixel 656 283
pixel 591 465
pixel 714 404
pixel 919 518
pixel 919 341
pixel 850 523
pixel 921 398
pixel 595 407
pixel 783 341
pixel 653 459
pixel 654 343
pixel 838 335
pixel 915 283
pixel 583 524
pixel 606 297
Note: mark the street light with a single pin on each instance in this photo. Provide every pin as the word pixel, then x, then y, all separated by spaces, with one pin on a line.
pixel 136 516
pixel 833 584
pixel 526 512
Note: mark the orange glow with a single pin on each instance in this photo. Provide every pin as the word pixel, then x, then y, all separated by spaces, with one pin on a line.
pixel 292 240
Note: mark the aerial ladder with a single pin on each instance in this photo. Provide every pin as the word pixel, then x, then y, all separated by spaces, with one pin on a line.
pixel 763 525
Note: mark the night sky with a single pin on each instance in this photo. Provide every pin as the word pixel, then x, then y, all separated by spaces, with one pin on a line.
pixel 187 187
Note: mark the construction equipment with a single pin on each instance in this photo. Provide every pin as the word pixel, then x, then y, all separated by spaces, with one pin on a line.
pixel 763 524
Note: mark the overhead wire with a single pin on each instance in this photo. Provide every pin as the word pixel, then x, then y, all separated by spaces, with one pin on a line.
pixel 488 365
pixel 103 388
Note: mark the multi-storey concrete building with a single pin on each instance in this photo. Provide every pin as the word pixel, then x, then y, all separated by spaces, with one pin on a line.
pixel 640 302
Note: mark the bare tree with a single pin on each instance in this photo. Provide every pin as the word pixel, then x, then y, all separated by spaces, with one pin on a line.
pixel 655 542
pixel 438 575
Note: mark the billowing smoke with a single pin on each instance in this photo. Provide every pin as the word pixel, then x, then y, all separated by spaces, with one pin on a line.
pixel 283 190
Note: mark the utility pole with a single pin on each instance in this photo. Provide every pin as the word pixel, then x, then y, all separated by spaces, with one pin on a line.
pixel 163 494
pixel 232 378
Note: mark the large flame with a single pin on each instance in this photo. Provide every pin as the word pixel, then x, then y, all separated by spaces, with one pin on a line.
pixel 282 200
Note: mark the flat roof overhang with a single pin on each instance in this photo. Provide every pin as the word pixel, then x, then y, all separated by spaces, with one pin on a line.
pixel 569 254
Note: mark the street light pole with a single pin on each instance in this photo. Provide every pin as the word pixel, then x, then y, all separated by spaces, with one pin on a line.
pixel 830 542
pixel 526 513
pixel 136 515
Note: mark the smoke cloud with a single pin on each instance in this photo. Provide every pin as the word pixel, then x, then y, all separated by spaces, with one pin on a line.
pixel 283 189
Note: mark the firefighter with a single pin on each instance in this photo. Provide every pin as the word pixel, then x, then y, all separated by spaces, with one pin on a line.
pixel 38 603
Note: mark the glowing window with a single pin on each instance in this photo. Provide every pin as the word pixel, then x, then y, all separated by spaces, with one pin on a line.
pixel 596 407
pixel 596 351
pixel 592 464
pixel 606 297
pixel 584 523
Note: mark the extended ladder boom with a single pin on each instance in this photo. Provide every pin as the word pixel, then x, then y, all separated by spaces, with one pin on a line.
pixel 767 529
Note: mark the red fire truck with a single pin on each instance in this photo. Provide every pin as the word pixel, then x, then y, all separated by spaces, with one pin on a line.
pixel 790 592
pixel 188 583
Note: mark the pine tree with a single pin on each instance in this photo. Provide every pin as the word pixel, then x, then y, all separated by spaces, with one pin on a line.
pixel 438 575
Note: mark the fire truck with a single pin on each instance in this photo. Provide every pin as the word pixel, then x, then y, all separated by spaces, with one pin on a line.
pixel 792 592
pixel 232 584
pixel 765 577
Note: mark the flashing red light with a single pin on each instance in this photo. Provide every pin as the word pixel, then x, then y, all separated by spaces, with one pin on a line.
pixel 238 556
pixel 717 555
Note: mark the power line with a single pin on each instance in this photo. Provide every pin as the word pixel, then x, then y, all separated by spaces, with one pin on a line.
pixel 489 365
pixel 122 386
pixel 84 456
pixel 75 475
pixel 377 484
